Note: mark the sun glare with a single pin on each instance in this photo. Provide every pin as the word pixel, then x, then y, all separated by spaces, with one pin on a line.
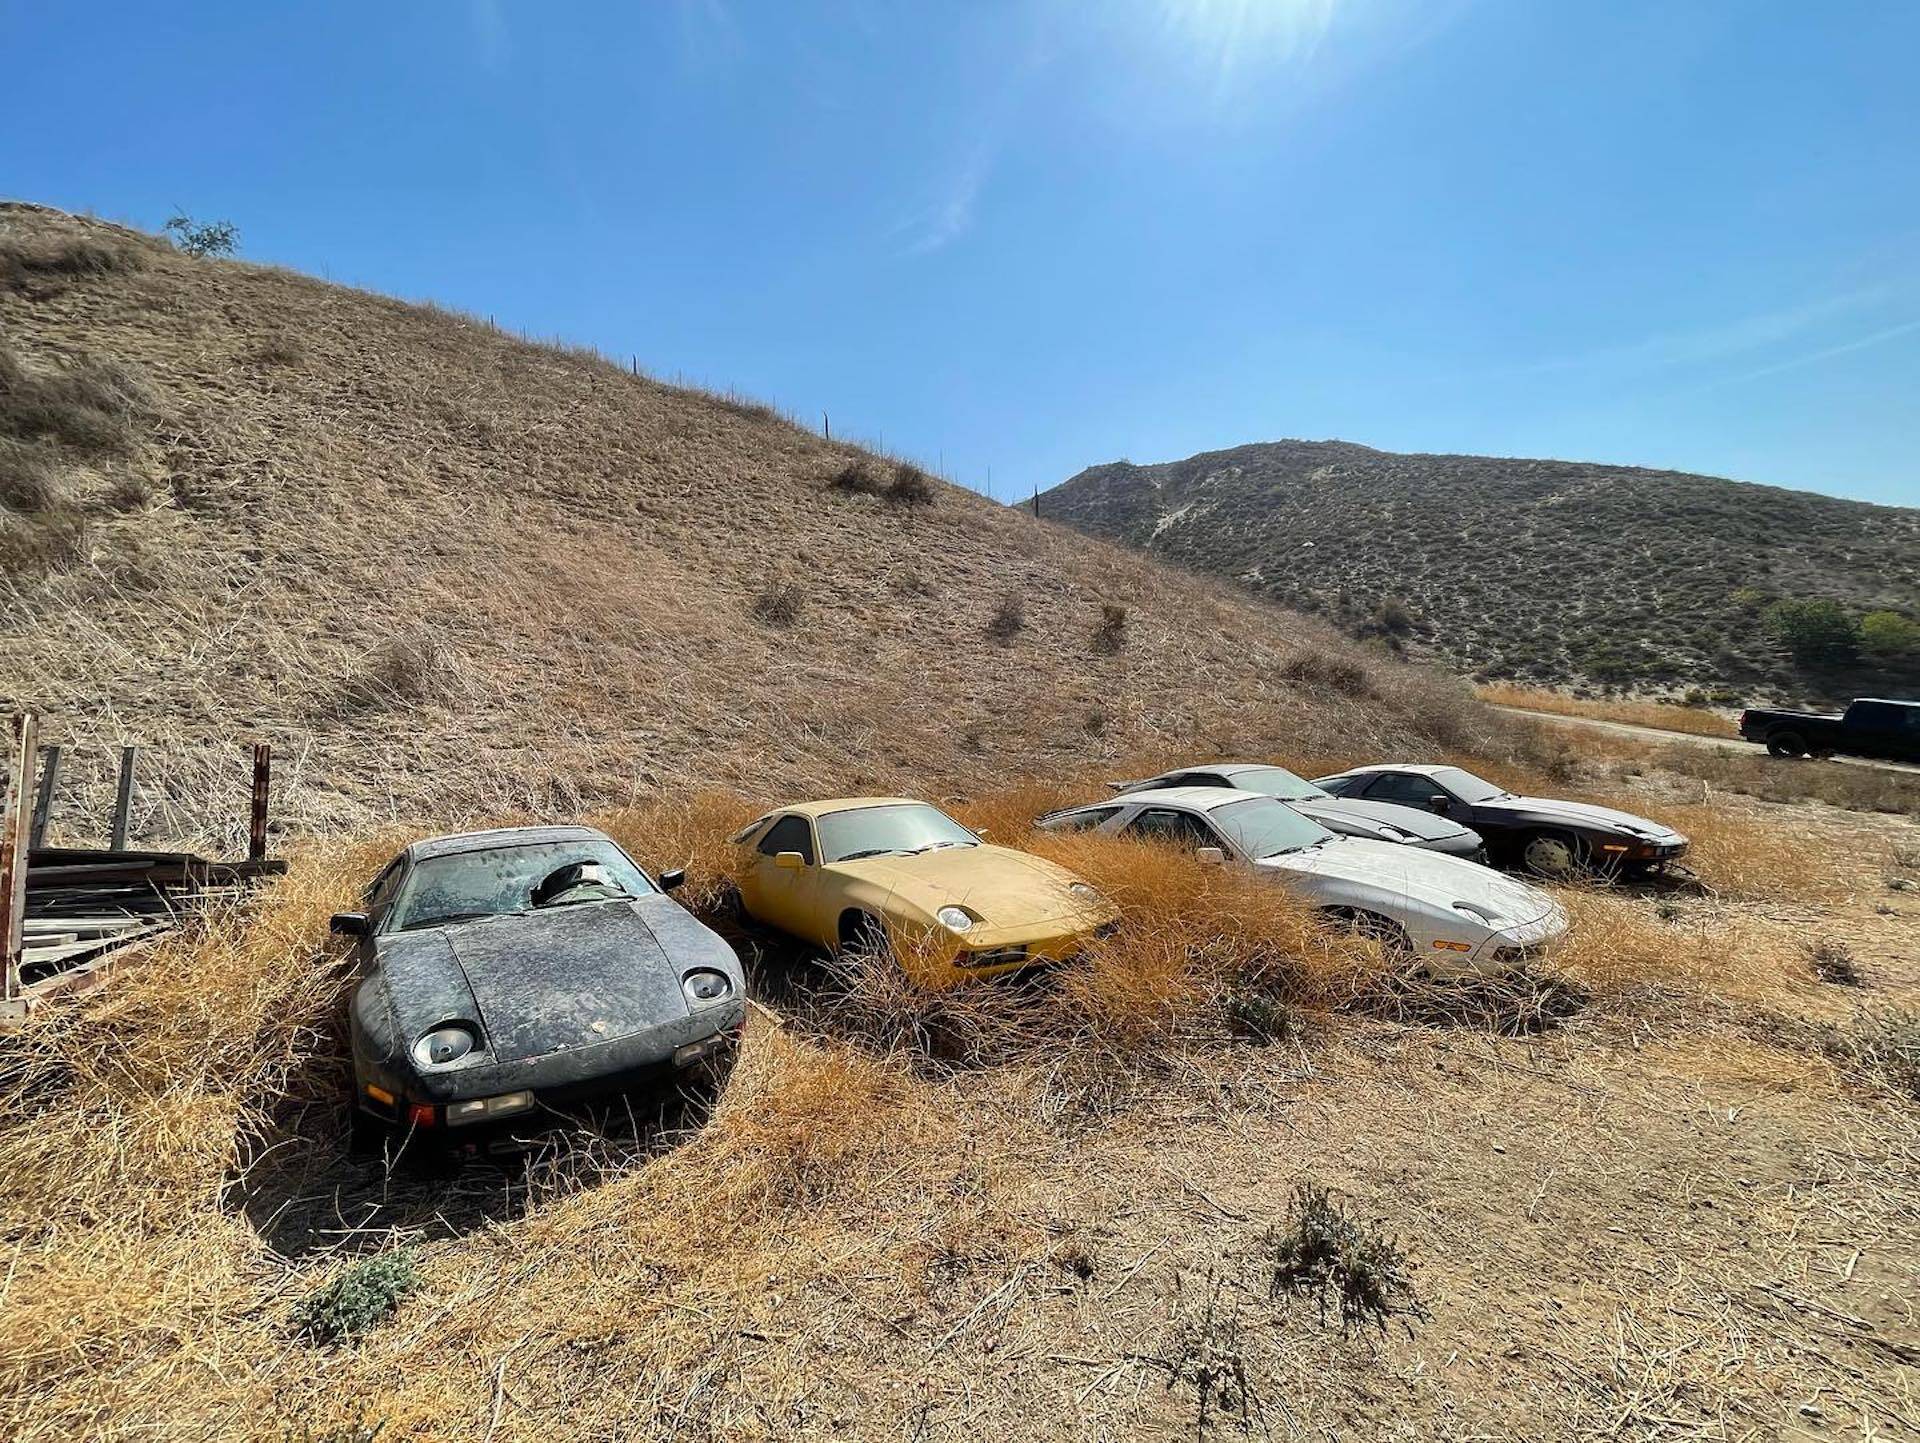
pixel 1238 32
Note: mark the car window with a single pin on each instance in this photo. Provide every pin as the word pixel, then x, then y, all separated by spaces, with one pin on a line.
pixel 1082 821
pixel 1164 824
pixel 1341 786
pixel 1197 779
pixel 501 881
pixel 1264 827
pixel 892 828
pixel 1406 788
pixel 384 885
pixel 789 834
pixel 1276 782
pixel 1466 786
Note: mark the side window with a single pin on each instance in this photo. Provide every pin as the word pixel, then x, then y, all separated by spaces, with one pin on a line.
pixel 1085 821
pixel 1405 788
pixel 789 834
pixel 1340 786
pixel 380 895
pixel 1163 824
pixel 1199 779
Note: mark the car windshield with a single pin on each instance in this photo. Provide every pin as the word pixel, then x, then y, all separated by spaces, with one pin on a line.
pixel 501 881
pixel 1262 827
pixel 1467 787
pixel 1277 782
pixel 875 831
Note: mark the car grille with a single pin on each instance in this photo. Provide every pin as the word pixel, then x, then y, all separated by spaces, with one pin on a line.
pixel 997 957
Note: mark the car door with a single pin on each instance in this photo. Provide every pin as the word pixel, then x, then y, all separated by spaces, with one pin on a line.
pixel 1412 789
pixel 1179 828
pixel 785 897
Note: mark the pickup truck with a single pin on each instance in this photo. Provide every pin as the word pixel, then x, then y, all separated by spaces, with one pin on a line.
pixel 1870 727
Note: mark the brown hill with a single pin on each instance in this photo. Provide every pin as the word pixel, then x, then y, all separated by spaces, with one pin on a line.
pixel 1550 571
pixel 453 573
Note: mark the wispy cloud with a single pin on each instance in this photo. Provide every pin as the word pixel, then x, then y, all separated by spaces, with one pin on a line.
pixel 490 38
pixel 1236 35
pixel 1824 353
pixel 949 215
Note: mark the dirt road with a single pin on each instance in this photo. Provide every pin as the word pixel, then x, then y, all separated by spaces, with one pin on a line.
pixel 1661 734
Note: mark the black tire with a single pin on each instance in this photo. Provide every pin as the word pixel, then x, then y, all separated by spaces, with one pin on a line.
pixel 1787 744
pixel 1392 937
pixel 1552 855
pixel 862 935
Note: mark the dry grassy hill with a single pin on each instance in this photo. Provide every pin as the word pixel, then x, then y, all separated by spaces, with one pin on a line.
pixel 453 573
pixel 1546 571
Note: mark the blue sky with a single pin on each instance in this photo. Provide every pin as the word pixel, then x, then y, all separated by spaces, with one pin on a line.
pixel 1019 237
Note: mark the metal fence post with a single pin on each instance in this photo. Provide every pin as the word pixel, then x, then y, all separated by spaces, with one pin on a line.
pixel 14 824
pixel 43 806
pixel 123 801
pixel 262 780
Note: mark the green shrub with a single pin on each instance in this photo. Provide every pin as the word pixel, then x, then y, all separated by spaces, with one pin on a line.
pixel 360 1297
pixel 1814 631
pixel 1889 636
pixel 202 238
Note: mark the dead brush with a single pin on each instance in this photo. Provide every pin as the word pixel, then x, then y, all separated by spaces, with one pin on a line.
pixel 409 669
pixel 1327 1254
pixel 89 404
pixel 25 260
pixel 780 605
pixel 1831 960
pixel 1516 1004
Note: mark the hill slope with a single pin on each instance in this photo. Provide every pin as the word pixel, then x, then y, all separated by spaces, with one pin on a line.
pixel 453 573
pixel 1547 570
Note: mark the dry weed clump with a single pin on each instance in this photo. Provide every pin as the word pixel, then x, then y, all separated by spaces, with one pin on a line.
pixel 1009 619
pixel 780 605
pixel 90 404
pixel 1110 635
pixel 25 260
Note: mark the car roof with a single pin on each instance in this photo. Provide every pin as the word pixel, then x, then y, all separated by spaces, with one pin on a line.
pixel 1203 799
pixel 1419 769
pixel 830 805
pixel 500 837
pixel 1226 769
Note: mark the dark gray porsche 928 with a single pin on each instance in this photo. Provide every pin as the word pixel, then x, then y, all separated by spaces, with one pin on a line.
pixel 502 974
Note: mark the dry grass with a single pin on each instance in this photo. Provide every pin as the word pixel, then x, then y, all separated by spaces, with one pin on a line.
pixel 897 1187
pixel 1666 716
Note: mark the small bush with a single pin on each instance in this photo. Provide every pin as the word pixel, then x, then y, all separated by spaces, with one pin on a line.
pixel 1888 636
pixel 1831 961
pixel 1330 673
pixel 202 238
pixel 23 261
pixel 401 671
pixel 1009 619
pixel 1815 633
pixel 89 405
pixel 858 477
pixel 779 605
pixel 364 1295
pixel 910 487
pixel 1110 635
pixel 1328 1254
pixel 29 480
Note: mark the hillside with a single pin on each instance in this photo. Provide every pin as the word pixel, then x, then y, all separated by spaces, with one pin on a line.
pixel 1547 571
pixel 450 572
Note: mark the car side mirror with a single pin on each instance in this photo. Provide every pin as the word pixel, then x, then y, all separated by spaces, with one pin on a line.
pixel 1437 803
pixel 789 861
pixel 348 924
pixel 1211 856
pixel 673 880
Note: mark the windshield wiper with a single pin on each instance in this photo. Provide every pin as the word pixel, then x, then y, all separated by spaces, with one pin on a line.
pixel 936 846
pixel 446 917
pixel 869 852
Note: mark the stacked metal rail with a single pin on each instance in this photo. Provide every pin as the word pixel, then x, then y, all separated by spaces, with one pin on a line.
pixel 67 913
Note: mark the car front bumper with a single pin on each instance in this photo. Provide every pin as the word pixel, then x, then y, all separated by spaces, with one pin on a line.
pixel 1512 948
pixel 998 956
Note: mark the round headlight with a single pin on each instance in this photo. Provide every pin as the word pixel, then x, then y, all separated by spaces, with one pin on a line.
pixel 1084 889
pixel 706 986
pixel 444 1045
pixel 954 919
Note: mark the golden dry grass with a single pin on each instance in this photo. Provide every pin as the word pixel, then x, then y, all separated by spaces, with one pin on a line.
pixel 1666 716
pixel 891 1183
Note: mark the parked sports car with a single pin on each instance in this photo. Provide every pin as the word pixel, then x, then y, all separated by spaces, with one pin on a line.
pixel 1453 916
pixel 503 974
pixel 1377 821
pixel 1547 837
pixel 893 874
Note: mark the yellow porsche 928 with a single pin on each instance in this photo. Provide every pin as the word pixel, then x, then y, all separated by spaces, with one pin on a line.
pixel 898 875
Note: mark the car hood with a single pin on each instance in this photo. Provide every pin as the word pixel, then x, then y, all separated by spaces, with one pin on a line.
pixel 1399 873
pixel 543 982
pixel 999 885
pixel 1427 826
pixel 1576 814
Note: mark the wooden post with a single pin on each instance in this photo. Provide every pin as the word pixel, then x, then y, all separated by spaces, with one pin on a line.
pixel 43 805
pixel 123 800
pixel 13 852
pixel 826 425
pixel 262 780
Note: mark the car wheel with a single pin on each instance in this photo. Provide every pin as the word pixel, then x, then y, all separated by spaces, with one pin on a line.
pixel 1550 854
pixel 863 935
pixel 1786 744
pixel 1392 938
